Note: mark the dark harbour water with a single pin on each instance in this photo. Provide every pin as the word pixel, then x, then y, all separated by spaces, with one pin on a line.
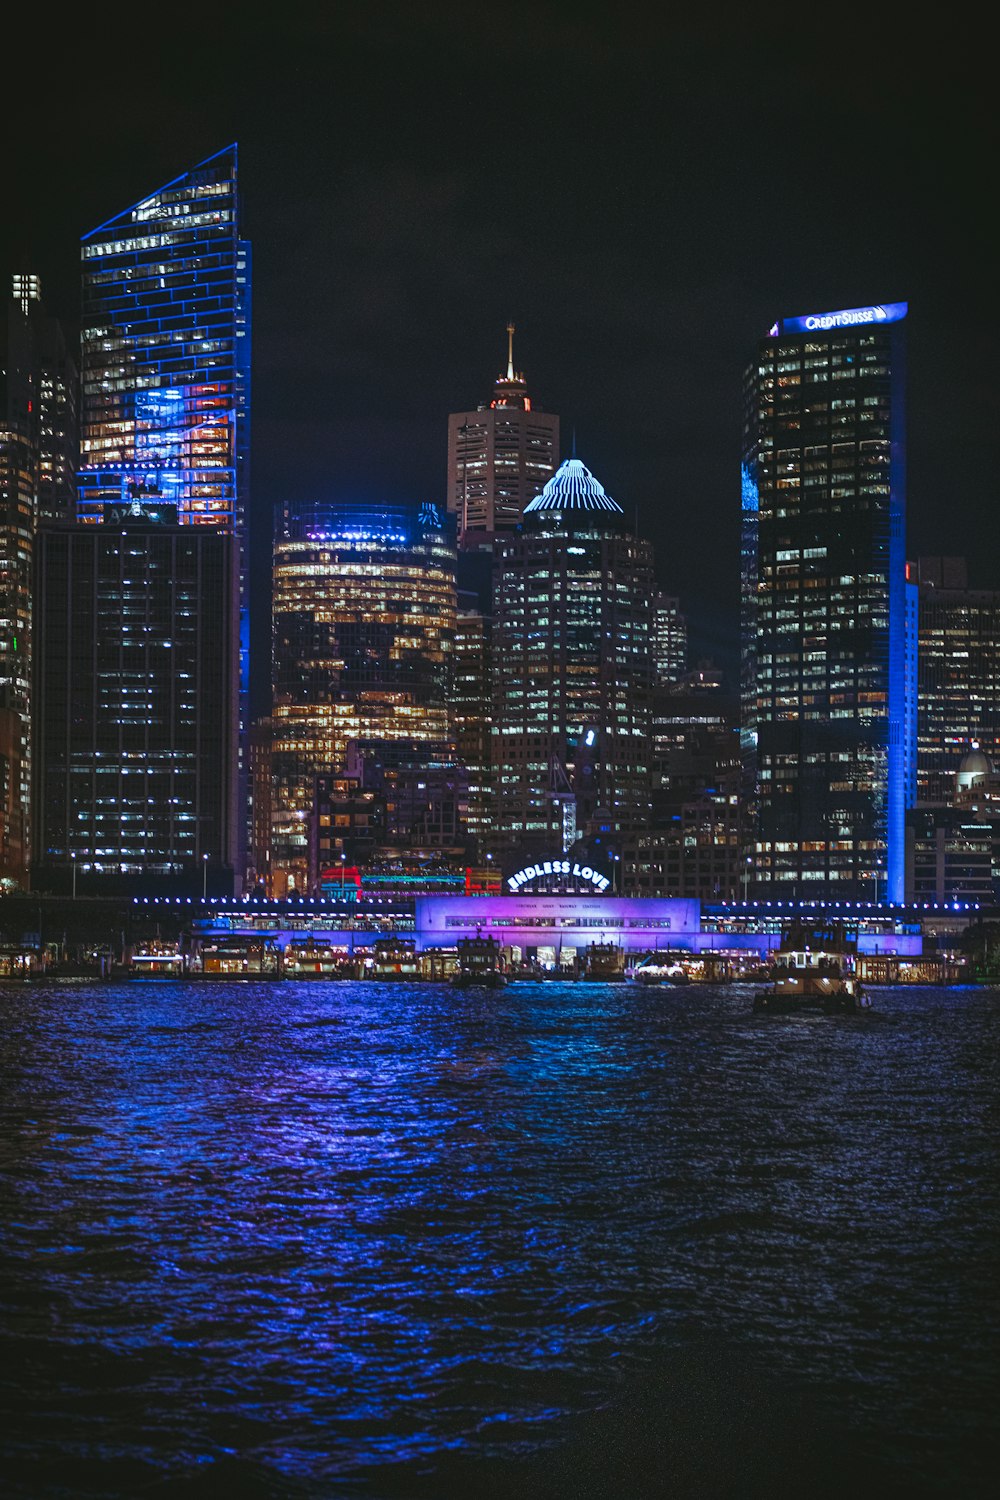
pixel 559 1241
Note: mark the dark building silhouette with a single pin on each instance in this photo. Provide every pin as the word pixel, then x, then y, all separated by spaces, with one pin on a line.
pixel 135 705
pixel 695 842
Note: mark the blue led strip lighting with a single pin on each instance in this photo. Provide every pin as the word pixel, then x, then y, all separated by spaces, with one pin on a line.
pixel 573 487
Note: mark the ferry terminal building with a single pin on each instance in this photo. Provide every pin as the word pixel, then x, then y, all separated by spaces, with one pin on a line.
pixel 553 928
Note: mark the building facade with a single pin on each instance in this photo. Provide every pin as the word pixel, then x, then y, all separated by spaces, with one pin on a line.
pixel 17 540
pixel 696 839
pixel 471 709
pixel 572 673
pixel 363 633
pixel 165 367
pixel 669 640
pixel 499 457
pixel 136 705
pixel 37 471
pixel 823 559
pixel 38 397
pixel 958 674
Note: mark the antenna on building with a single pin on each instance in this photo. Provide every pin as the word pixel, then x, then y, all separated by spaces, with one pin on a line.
pixel 510 351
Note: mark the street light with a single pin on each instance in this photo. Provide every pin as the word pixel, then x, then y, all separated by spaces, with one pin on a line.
pixel 746 878
pixel 73 858
pixel 204 877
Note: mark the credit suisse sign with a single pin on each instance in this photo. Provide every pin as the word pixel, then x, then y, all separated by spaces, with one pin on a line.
pixel 848 317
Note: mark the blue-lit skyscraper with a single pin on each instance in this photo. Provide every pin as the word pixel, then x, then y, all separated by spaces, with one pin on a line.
pixel 165 356
pixel 823 682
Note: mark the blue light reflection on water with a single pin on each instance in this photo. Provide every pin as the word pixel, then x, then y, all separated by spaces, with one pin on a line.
pixel 397 1237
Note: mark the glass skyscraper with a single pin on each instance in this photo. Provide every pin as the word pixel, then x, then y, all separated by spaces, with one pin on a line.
pixel 135 723
pixel 363 634
pixel 165 357
pixel 572 673
pixel 824 498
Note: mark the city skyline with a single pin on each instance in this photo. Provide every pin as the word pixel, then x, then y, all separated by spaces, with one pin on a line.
pixel 640 252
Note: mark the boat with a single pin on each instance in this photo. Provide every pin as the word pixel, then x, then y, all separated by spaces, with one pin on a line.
pixel 239 957
pixel 392 959
pixel 815 971
pixel 604 961
pixel 479 964
pixel 156 960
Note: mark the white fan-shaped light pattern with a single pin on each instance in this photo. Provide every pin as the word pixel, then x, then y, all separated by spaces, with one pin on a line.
pixel 573 487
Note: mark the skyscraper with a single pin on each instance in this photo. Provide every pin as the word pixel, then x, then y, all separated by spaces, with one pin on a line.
pixel 824 488
pixel 364 624
pixel 165 353
pixel 135 719
pixel 669 640
pixel 958 674
pixel 37 470
pixel 471 710
pixel 572 671
pixel 499 457
pixel 38 394
pixel 17 531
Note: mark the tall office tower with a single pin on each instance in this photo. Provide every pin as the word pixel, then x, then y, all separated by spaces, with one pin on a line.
pixel 259 871
pixel 572 672
pixel 17 526
pixel 37 467
pixel 165 353
pixel 363 629
pixel 824 625
pixel 38 396
pixel 471 710
pixel 958 674
pixel 499 457
pixel 669 640
pixel 136 707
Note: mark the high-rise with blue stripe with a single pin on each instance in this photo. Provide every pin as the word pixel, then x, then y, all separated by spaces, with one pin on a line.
pixel 824 618
pixel 165 362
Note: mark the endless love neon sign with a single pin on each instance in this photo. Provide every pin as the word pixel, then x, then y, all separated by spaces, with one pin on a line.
pixel 558 867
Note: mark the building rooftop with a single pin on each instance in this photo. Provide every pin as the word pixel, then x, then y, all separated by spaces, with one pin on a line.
pixel 573 487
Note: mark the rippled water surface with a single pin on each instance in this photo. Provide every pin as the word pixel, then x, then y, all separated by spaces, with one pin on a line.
pixel 562 1240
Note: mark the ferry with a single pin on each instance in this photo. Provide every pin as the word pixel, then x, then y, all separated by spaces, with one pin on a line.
pixel 479 964
pixel 815 970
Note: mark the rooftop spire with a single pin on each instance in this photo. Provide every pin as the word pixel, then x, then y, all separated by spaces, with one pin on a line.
pixel 510 351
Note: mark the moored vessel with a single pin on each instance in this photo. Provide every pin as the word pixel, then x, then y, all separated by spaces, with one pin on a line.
pixel 815 970
pixel 479 964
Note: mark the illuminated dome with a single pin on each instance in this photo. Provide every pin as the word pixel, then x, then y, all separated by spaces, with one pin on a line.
pixel 573 487
pixel 975 768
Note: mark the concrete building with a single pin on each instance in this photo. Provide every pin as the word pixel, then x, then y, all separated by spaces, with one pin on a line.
pixel 499 457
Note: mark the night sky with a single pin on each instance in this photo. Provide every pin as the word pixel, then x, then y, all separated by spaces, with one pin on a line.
pixel 641 198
